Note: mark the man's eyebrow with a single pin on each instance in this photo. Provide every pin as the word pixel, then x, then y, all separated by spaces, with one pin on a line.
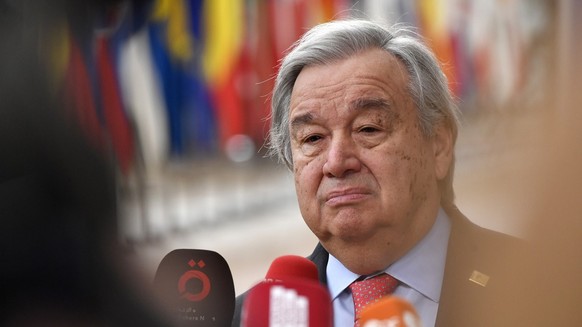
pixel 300 120
pixel 370 103
pixel 361 103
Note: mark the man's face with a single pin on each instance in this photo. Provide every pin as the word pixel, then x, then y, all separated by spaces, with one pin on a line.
pixel 365 175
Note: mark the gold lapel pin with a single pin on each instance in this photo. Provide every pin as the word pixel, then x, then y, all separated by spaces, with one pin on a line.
pixel 479 278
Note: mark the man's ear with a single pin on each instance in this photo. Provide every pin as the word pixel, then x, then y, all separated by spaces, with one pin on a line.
pixel 443 149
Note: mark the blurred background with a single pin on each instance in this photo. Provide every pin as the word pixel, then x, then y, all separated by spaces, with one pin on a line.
pixel 176 93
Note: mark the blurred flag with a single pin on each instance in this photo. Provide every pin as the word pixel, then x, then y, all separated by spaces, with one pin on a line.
pixel 223 65
pixel 116 121
pixel 434 21
pixel 143 98
pixel 78 94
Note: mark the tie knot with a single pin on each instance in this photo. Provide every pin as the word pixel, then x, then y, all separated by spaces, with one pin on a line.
pixel 367 291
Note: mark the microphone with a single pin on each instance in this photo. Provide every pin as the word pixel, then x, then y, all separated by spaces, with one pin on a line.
pixel 292 267
pixel 197 287
pixel 290 295
pixel 390 311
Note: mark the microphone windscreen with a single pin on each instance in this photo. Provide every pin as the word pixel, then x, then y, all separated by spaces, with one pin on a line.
pixel 298 303
pixel 197 287
pixel 291 267
pixel 390 311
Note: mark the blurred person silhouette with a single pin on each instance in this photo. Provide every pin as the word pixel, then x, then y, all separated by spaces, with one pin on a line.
pixel 62 262
pixel 363 117
pixel 550 273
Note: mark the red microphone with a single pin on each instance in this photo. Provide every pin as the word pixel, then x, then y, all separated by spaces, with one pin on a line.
pixel 390 311
pixel 290 295
pixel 292 267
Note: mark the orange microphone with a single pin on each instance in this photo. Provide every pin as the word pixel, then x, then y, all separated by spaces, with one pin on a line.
pixel 390 311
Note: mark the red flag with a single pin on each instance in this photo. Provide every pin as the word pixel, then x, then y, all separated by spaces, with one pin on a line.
pixel 78 95
pixel 116 122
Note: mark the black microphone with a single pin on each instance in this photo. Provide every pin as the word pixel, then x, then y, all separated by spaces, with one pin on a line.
pixel 197 288
pixel 290 295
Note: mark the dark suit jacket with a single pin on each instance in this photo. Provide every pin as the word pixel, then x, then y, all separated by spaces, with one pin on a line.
pixel 463 302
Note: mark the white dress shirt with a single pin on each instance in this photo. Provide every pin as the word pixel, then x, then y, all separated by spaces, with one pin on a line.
pixel 420 273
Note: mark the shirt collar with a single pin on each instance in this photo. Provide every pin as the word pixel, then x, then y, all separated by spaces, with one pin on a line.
pixel 338 277
pixel 422 268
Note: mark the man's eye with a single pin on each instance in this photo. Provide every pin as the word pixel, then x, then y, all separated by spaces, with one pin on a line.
pixel 312 139
pixel 369 129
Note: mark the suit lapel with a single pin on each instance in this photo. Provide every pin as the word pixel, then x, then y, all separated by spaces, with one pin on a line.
pixel 476 273
pixel 460 262
pixel 320 256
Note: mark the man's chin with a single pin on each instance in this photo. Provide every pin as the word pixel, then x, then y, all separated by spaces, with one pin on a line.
pixel 361 263
pixel 359 253
pixel 352 226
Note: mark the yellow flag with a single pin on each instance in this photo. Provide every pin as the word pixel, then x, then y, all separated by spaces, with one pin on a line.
pixel 175 14
pixel 224 36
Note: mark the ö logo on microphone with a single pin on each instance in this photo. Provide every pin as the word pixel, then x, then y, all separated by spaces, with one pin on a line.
pixel 196 287
pixel 198 275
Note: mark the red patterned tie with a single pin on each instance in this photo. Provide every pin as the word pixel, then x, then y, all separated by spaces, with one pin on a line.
pixel 370 290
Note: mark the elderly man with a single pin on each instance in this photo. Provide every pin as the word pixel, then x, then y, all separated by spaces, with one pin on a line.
pixel 363 116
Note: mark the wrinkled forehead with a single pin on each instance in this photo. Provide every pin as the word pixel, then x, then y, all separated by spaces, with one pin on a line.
pixel 371 82
pixel 373 73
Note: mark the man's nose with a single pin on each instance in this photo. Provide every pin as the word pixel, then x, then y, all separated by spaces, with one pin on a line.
pixel 342 158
